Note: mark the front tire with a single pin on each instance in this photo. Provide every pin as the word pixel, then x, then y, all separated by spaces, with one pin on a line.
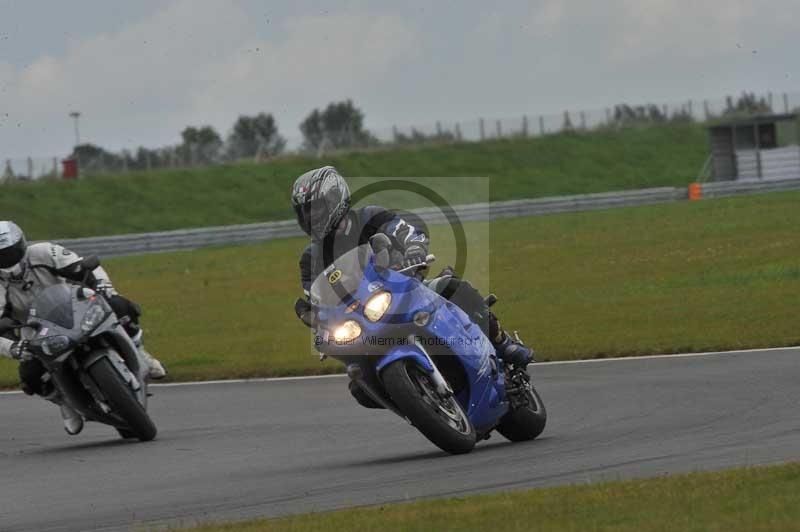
pixel 122 401
pixel 126 434
pixel 441 420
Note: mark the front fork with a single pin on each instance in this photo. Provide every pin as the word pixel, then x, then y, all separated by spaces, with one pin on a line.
pixel 442 386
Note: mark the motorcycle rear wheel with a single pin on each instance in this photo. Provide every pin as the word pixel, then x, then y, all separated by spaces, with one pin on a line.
pixel 122 401
pixel 525 423
pixel 440 419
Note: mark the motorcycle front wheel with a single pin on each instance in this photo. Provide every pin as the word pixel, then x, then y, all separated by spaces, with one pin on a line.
pixel 122 401
pixel 440 419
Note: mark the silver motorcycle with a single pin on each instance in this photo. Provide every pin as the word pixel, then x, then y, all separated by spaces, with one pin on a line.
pixel 90 358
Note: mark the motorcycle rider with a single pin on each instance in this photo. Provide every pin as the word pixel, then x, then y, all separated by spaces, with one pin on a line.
pixel 25 270
pixel 321 200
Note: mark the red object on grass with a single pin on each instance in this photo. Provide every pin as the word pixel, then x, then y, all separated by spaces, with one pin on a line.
pixel 70 167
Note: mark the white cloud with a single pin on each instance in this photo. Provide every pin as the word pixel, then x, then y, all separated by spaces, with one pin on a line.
pixel 206 61
pixel 322 58
pixel 547 17
pixel 687 28
pixel 191 62
pixel 631 30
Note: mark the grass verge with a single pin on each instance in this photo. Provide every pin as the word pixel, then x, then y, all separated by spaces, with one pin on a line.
pixel 739 500
pixel 689 276
pixel 573 163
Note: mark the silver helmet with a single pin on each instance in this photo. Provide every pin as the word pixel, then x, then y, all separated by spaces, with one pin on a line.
pixel 12 245
pixel 320 199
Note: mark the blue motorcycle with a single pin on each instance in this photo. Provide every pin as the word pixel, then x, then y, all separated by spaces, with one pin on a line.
pixel 417 354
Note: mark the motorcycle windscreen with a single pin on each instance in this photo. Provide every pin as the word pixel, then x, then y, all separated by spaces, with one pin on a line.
pixel 340 280
pixel 54 304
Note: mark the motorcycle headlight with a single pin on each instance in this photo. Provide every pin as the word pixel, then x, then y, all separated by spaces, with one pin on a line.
pixel 93 317
pixel 55 345
pixel 347 332
pixel 377 306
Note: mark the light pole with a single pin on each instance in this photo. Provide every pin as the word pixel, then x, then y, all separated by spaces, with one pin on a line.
pixel 76 115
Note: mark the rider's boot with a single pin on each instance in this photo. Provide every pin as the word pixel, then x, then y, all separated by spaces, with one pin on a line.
pixel 155 368
pixel 512 351
pixel 509 349
pixel 73 421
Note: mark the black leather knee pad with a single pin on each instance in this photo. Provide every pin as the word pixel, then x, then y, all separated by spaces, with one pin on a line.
pixel 471 301
pixel 468 299
pixel 128 312
pixel 30 376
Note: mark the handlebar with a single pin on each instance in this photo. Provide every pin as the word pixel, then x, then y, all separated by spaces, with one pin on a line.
pixel 429 259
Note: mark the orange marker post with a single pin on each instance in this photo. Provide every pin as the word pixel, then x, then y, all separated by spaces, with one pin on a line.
pixel 695 192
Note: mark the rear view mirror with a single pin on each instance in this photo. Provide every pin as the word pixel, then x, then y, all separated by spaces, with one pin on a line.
pixel 381 245
pixel 382 260
pixel 91 262
pixel 379 242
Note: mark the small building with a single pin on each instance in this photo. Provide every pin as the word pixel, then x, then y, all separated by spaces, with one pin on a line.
pixel 758 147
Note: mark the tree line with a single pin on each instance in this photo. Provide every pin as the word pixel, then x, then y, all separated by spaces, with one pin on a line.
pixel 337 126
pixel 340 125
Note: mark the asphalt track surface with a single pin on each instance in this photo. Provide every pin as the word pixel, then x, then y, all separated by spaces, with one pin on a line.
pixel 241 450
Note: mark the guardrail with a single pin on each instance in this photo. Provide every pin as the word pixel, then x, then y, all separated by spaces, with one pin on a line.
pixel 136 244
pixel 722 189
pixel 184 239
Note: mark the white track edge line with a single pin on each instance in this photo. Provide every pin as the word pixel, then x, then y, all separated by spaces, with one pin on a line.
pixel 552 363
pixel 633 358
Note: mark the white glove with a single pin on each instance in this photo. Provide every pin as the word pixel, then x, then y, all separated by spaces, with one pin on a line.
pixel 19 351
pixel 105 287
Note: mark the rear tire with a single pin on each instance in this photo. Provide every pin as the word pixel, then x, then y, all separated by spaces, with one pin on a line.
pixel 122 401
pixel 524 423
pixel 442 421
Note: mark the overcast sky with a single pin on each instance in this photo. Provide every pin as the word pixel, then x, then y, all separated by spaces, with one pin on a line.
pixel 141 71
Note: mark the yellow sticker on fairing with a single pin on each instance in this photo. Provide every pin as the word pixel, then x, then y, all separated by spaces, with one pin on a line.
pixel 335 276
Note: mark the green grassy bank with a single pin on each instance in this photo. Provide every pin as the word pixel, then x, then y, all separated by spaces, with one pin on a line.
pixel 739 500
pixel 247 192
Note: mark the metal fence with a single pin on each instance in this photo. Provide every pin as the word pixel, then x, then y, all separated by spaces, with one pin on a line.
pixel 575 120
pixel 110 246
pixel 31 168
pixel 432 133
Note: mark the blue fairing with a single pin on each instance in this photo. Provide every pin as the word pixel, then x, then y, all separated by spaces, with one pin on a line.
pixel 411 351
pixel 449 332
pixel 486 401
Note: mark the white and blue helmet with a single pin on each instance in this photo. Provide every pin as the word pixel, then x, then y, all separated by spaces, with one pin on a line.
pixel 12 245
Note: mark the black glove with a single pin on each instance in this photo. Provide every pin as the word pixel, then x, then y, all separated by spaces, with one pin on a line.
pixel 305 312
pixel 414 254
pixel 19 351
